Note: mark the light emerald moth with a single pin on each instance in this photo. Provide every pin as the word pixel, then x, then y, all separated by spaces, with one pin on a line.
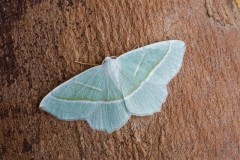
pixel 131 84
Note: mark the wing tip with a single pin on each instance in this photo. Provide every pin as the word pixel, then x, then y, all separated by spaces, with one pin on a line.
pixel 180 43
pixel 175 42
pixel 179 48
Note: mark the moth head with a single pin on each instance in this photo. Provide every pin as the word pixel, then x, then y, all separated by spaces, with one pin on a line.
pixel 108 59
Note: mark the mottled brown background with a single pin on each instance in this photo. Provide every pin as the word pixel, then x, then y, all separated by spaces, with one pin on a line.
pixel 40 40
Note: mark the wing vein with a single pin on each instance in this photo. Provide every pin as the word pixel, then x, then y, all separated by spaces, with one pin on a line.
pixel 75 81
pixel 91 87
pixel 139 64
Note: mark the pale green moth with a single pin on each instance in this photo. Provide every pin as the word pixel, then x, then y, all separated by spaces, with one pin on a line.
pixel 107 95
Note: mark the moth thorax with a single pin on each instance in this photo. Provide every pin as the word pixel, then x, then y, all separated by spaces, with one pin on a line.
pixel 111 68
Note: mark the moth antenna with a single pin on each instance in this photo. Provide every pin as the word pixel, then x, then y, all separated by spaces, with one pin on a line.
pixel 113 57
pixel 136 46
pixel 89 64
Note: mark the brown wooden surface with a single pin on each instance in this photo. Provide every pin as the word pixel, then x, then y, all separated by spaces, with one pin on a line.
pixel 39 42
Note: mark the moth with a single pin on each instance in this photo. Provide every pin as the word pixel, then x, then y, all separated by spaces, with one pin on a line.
pixel 131 84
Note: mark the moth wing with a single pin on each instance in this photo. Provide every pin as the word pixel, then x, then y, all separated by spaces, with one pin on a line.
pixel 90 96
pixel 145 72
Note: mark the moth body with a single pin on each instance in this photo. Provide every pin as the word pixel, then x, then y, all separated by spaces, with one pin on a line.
pixel 111 69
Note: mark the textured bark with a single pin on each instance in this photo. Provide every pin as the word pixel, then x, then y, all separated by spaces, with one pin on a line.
pixel 40 41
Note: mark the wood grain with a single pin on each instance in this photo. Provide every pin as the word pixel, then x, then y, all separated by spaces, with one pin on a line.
pixel 40 40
